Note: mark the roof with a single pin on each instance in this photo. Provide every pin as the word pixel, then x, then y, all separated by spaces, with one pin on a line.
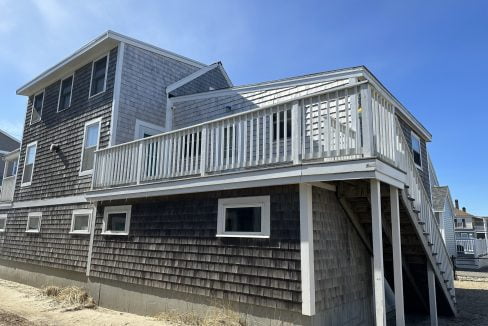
pixel 460 213
pixel 90 51
pixel 351 72
pixel 439 196
pixel 9 136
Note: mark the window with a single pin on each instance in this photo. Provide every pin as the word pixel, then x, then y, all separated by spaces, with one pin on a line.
pixel 81 221
pixel 282 124
pixel 37 105
pixel 116 220
pixel 99 76
pixel 244 217
pixel 11 168
pixel 30 158
pixel 145 129
pixel 34 222
pixel 65 91
pixel 90 145
pixel 417 158
pixel 3 222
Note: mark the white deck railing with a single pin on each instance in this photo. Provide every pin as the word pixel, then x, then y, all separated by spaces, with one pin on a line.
pixel 476 247
pixel 8 187
pixel 323 126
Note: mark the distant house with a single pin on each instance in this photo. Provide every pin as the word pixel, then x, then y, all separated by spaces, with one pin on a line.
pixel 8 143
pixel 9 154
pixel 444 210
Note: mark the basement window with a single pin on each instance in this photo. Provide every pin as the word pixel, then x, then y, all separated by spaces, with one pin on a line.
pixel 37 104
pixel 81 220
pixel 244 217
pixel 116 220
pixel 34 222
pixel 417 157
pixel 3 222
pixel 98 82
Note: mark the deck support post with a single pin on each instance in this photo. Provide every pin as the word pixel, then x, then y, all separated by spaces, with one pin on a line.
pixel 296 132
pixel 306 250
pixel 432 296
pixel 378 271
pixel 397 256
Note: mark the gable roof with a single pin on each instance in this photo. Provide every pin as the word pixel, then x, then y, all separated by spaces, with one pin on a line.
pixel 197 74
pixel 90 51
pixel 439 196
pixel 460 213
pixel 6 134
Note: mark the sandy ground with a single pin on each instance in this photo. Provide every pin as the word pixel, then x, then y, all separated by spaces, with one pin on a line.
pixel 22 305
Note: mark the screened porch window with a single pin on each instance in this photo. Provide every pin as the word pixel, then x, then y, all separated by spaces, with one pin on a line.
pixel 244 217
pixel 90 145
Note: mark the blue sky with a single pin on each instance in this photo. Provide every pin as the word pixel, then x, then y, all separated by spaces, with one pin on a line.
pixel 433 55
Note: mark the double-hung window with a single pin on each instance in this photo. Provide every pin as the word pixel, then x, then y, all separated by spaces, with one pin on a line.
pixel 116 220
pixel 417 158
pixel 99 76
pixel 3 222
pixel 65 91
pixel 30 159
pixel 33 222
pixel 37 104
pixel 81 221
pixel 246 217
pixel 90 145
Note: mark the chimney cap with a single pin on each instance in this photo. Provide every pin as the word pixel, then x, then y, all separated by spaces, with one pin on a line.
pixel 464 209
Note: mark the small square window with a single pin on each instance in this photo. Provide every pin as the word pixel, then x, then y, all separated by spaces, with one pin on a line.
pixel 244 217
pixel 81 221
pixel 116 220
pixel 37 104
pixel 3 222
pixel 417 157
pixel 34 222
pixel 99 76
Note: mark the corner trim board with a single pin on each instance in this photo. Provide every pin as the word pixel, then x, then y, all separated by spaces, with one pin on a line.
pixel 306 250
pixel 116 94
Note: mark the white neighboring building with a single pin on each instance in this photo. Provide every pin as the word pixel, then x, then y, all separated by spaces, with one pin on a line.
pixel 444 211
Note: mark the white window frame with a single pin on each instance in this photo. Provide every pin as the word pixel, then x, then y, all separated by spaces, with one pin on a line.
pixel 71 92
pixel 89 123
pixel 258 201
pixel 3 217
pixel 33 214
pixel 76 212
pixel 25 184
pixel 42 106
pixel 124 209
pixel 90 95
pixel 142 126
pixel 414 135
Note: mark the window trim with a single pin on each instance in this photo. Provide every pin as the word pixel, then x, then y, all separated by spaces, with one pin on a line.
pixel 33 214
pixel 3 217
pixel 124 209
pixel 142 125
pixel 90 95
pixel 75 212
pixel 71 92
pixel 414 135
pixel 22 183
pixel 42 106
pixel 88 123
pixel 236 202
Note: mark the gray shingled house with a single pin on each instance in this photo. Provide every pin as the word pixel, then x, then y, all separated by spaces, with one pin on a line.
pixel 152 181
pixel 9 146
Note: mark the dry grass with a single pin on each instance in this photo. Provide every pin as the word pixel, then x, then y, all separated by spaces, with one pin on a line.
pixel 71 295
pixel 213 317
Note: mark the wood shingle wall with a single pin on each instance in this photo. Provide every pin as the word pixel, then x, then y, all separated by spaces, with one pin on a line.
pixel 172 245
pixel 56 173
pixel 343 290
pixel 213 78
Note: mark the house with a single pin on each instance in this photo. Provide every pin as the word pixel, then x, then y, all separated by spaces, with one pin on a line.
pixel 8 166
pixel 151 180
pixel 444 211
pixel 8 144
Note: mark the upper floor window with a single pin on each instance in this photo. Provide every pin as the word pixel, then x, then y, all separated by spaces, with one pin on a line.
pixel 417 158
pixel 65 91
pixel 37 104
pixel 99 76
pixel 90 145
pixel 30 158
pixel 10 168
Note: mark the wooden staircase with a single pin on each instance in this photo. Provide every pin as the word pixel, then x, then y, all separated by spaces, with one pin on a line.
pixel 415 242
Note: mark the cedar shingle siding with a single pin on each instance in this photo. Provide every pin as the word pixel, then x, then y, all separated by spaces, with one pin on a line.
pixel 172 245
pixel 213 78
pixel 53 246
pixel 56 174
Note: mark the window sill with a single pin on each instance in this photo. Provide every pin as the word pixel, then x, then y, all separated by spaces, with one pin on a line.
pixel 27 184
pixel 79 232
pixel 114 233
pixel 85 173
pixel 95 95
pixel 32 231
pixel 243 235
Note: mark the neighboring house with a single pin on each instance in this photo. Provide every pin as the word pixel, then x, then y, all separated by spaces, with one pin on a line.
pixel 444 210
pixel 8 143
pixel 152 181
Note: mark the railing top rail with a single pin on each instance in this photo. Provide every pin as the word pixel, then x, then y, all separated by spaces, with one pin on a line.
pixel 232 116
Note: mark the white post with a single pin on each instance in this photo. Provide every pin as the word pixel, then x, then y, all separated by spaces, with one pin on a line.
pixel 397 256
pixel 203 152
pixel 378 273
pixel 306 250
pixel 432 297
pixel 139 162
pixel 367 121
pixel 296 132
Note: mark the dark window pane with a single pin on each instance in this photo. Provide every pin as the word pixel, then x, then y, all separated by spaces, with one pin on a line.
pixel 27 177
pixel 282 124
pixel 3 222
pixel 116 222
pixel 98 77
pixel 33 223
pixel 37 107
pixel 243 219
pixel 65 97
pixel 81 223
